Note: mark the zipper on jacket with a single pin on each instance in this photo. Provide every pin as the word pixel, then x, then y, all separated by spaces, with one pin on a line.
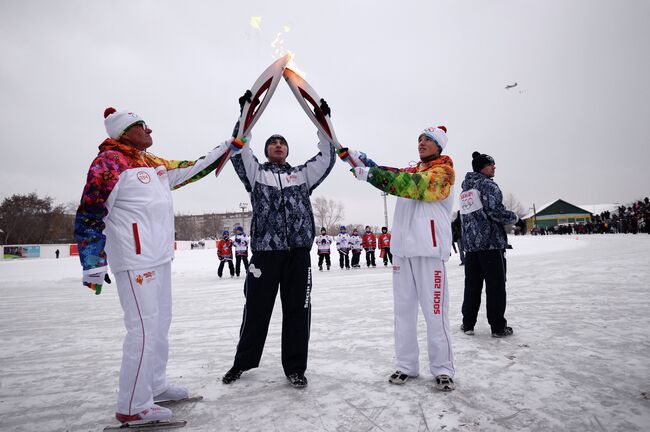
pixel 136 237
pixel 433 233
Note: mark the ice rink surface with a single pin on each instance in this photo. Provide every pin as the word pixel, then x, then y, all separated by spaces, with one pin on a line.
pixel 579 359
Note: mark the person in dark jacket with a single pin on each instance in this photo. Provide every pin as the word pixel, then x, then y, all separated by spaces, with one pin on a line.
pixel 483 217
pixel 457 237
pixel 282 232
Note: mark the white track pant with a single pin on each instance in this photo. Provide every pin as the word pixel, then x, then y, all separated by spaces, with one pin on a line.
pixel 146 300
pixel 421 282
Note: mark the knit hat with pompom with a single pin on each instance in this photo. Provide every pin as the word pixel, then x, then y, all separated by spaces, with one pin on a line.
pixel 438 134
pixel 117 122
pixel 480 161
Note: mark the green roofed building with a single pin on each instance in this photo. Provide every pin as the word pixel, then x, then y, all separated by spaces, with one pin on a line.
pixel 558 212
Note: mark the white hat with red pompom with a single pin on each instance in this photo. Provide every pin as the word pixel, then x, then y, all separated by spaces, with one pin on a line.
pixel 117 122
pixel 438 134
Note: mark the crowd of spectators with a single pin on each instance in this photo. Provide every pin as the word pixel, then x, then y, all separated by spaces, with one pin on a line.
pixel 632 219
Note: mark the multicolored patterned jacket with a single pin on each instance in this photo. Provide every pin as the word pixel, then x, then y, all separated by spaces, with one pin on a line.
pixel 422 220
pixel 126 216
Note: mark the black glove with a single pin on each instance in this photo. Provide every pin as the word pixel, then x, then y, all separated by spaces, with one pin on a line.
pixel 246 97
pixel 521 224
pixel 107 279
pixel 325 108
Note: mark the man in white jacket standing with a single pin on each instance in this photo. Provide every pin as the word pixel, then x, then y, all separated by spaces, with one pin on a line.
pixel 421 242
pixel 126 220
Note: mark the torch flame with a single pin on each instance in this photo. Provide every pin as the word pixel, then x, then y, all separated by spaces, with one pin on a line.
pixel 293 66
pixel 279 50
pixel 256 21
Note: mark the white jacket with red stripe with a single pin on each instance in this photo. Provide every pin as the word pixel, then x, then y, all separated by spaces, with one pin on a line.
pixel 126 215
pixel 422 221
pixel 422 228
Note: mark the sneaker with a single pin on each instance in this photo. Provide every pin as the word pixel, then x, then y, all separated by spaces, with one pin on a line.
pixel 232 375
pixel 467 331
pixel 444 383
pixel 173 393
pixel 320 268
pixel 328 268
pixel 398 377
pixel 507 331
pixel 297 380
pixel 151 414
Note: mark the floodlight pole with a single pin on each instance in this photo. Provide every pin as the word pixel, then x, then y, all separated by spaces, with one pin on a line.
pixel 385 194
pixel 243 206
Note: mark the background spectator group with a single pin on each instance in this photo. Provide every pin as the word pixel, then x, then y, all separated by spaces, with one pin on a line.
pixel 627 219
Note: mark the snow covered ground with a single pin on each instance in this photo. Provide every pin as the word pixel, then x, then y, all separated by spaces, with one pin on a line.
pixel 579 359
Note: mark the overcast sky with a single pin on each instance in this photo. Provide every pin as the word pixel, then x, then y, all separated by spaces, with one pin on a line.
pixel 575 127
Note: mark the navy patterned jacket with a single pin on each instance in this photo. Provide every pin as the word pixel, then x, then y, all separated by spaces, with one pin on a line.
pixel 483 214
pixel 282 213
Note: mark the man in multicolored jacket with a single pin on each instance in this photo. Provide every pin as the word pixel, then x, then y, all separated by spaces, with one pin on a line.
pixel 126 220
pixel 483 216
pixel 421 244
pixel 282 232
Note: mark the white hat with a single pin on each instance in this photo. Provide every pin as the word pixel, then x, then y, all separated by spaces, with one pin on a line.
pixel 438 134
pixel 117 122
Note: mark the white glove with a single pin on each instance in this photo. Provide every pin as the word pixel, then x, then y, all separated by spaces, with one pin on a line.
pixel 94 278
pixel 361 173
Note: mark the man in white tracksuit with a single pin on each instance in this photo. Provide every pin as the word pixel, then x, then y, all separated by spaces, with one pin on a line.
pixel 421 243
pixel 126 220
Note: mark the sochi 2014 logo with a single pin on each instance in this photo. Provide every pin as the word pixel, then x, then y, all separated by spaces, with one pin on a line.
pixel 143 177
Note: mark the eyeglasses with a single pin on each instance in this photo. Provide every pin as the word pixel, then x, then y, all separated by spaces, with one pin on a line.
pixel 140 123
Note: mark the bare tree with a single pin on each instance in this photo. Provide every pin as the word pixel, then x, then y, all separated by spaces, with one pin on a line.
pixel 196 227
pixel 514 205
pixel 33 219
pixel 328 213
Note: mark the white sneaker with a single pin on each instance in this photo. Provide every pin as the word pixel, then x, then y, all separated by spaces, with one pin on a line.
pixel 172 393
pixel 151 414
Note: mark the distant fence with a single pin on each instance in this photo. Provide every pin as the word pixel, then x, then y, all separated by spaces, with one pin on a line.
pixel 11 252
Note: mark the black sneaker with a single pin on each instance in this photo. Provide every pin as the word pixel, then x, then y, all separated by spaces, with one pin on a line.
pixel 297 380
pixel 507 331
pixel 444 383
pixel 398 377
pixel 467 331
pixel 232 375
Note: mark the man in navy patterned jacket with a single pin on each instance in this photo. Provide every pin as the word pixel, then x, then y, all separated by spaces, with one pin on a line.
pixel 483 216
pixel 282 232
